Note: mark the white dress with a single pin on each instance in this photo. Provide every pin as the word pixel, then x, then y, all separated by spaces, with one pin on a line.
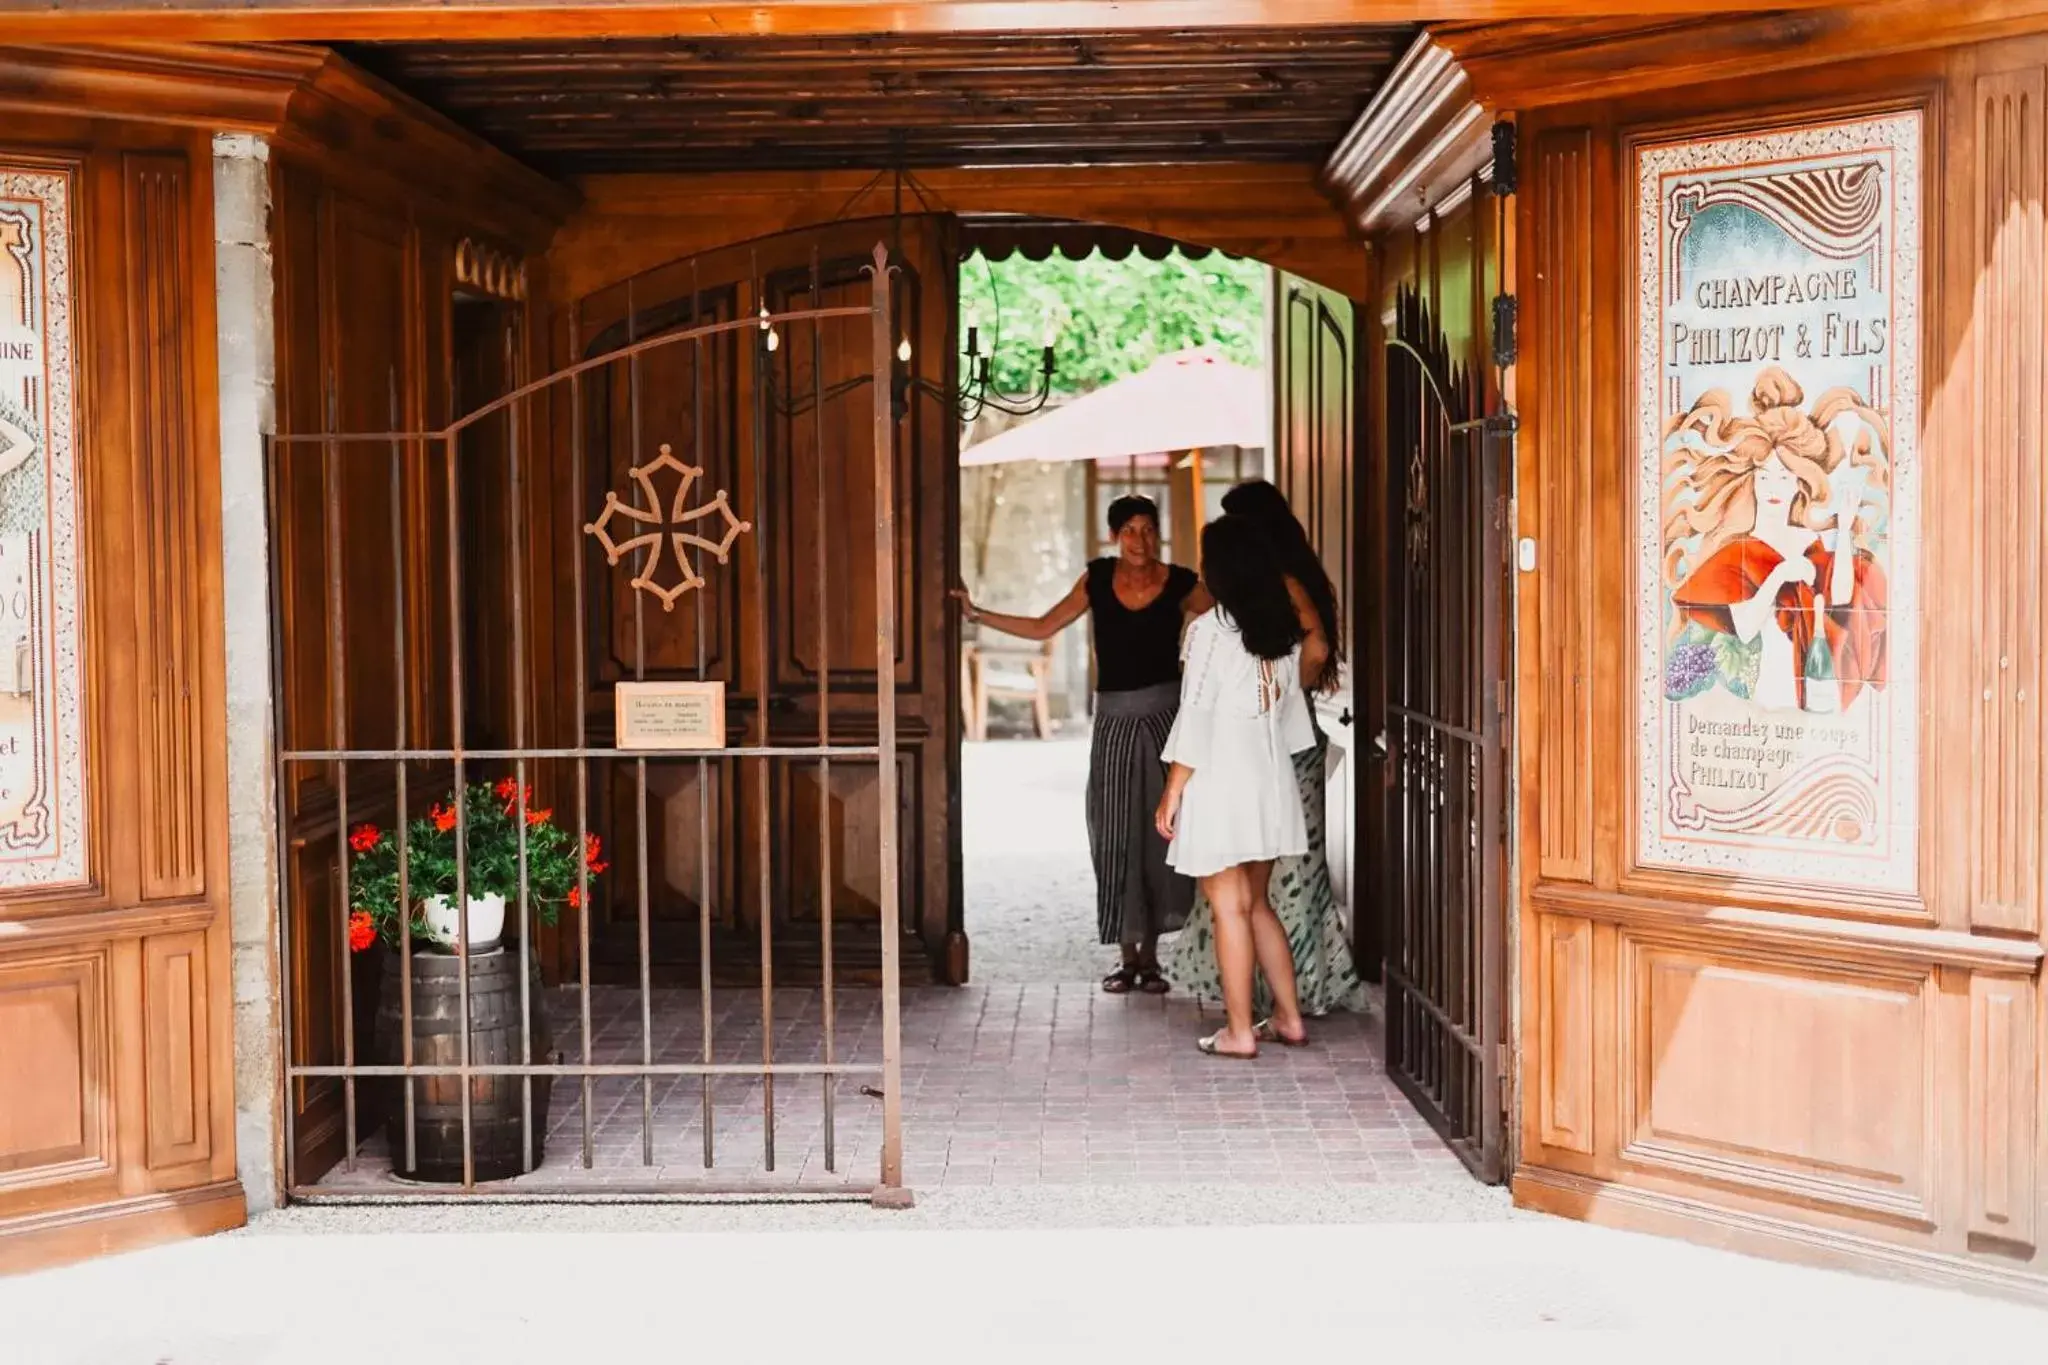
pixel 1241 722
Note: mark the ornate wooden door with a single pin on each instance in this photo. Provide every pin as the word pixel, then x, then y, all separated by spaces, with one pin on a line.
pixel 1445 717
pixel 778 841
pixel 1315 463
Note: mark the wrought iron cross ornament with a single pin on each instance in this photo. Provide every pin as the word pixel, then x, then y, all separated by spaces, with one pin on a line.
pixel 669 529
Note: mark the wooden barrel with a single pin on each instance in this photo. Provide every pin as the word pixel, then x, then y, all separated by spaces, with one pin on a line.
pixel 497 1125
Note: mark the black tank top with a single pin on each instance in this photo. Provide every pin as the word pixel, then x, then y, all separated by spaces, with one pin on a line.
pixel 1135 650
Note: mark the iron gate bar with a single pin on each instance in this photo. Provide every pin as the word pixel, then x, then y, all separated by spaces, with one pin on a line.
pixel 470 419
pixel 520 678
pixel 703 764
pixel 572 751
pixel 398 684
pixel 828 1096
pixel 885 714
pixel 640 765
pixel 628 1069
pixel 577 550
pixel 764 874
pixel 398 445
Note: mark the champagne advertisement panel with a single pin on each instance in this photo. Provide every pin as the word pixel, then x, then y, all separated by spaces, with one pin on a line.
pixel 1778 505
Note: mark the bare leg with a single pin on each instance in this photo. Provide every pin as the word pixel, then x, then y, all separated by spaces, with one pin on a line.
pixel 1229 896
pixel 1275 957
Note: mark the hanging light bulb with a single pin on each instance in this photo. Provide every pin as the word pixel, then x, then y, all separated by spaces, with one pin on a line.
pixel 903 350
pixel 774 339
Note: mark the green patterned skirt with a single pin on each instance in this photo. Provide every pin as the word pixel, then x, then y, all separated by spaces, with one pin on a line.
pixel 1302 897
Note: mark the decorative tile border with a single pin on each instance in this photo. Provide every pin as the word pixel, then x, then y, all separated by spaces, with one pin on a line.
pixel 42 741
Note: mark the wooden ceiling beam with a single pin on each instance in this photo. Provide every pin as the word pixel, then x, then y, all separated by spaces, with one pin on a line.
pixel 45 21
pixel 1530 66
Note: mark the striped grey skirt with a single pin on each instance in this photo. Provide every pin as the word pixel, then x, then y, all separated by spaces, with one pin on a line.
pixel 1137 896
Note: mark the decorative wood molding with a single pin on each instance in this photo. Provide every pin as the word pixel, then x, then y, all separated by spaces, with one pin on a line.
pixel 1560 426
pixel 2009 259
pixel 306 100
pixel 168 597
pixel 42 1241
pixel 340 20
pixel 1565 1034
pixel 356 128
pixel 222 88
pixel 1534 63
pixel 19 936
pixel 1798 1239
pixel 1421 140
pixel 1831 942
pixel 1766 1131
pixel 2004 1179
pixel 486 268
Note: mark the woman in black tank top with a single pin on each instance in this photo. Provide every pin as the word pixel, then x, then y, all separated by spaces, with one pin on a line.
pixel 1138 606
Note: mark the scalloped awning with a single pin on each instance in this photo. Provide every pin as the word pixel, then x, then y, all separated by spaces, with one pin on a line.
pixel 1036 239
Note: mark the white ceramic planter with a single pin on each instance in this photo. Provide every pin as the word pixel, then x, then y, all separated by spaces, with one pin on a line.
pixel 486 921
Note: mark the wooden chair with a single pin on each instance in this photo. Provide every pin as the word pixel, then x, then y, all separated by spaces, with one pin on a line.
pixel 1022 673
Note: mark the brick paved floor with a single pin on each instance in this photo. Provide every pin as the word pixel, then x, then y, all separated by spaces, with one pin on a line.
pixel 1005 1084
pixel 1029 1076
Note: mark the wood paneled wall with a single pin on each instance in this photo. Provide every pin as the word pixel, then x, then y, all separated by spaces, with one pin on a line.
pixel 116 1053
pixel 366 255
pixel 1826 1076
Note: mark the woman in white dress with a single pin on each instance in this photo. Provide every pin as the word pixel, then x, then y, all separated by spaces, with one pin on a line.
pixel 1231 804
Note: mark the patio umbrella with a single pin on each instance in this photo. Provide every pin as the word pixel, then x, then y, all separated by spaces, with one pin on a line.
pixel 1189 400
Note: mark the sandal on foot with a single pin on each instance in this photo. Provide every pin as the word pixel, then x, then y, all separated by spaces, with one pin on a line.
pixel 1120 981
pixel 1151 981
pixel 1208 1047
pixel 1266 1033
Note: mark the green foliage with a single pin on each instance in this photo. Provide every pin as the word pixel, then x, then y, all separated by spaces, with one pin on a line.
pixel 493 849
pixel 1109 318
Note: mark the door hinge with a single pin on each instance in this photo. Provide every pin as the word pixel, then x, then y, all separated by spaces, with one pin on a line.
pixel 1505 310
pixel 1504 171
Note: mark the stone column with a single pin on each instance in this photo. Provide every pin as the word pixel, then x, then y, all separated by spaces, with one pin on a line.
pixel 242 277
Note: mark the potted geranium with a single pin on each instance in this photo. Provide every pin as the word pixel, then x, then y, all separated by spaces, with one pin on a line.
pixel 507 1022
pixel 493 814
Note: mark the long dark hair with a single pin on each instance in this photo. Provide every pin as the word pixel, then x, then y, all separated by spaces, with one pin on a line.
pixel 1244 576
pixel 1261 502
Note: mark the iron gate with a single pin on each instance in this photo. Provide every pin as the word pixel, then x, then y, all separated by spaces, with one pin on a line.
pixel 379 798
pixel 1446 712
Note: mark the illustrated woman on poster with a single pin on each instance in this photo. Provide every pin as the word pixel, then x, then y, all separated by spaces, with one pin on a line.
pixel 1767 543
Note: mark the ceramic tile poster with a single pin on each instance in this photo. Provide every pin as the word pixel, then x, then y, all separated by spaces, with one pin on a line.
pixel 1778 506
pixel 42 760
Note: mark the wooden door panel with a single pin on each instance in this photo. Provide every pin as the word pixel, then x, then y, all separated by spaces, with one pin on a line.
pixel 57 1071
pixel 837 592
pixel 794 604
pixel 684 397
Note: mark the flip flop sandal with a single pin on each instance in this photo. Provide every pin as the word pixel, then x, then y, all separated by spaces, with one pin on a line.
pixel 1208 1048
pixel 1266 1033
pixel 1151 981
pixel 1120 981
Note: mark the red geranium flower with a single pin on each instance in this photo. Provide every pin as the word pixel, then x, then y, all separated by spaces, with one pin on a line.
pixel 575 897
pixel 538 817
pixel 444 817
pixel 362 930
pixel 506 786
pixel 364 837
pixel 592 847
